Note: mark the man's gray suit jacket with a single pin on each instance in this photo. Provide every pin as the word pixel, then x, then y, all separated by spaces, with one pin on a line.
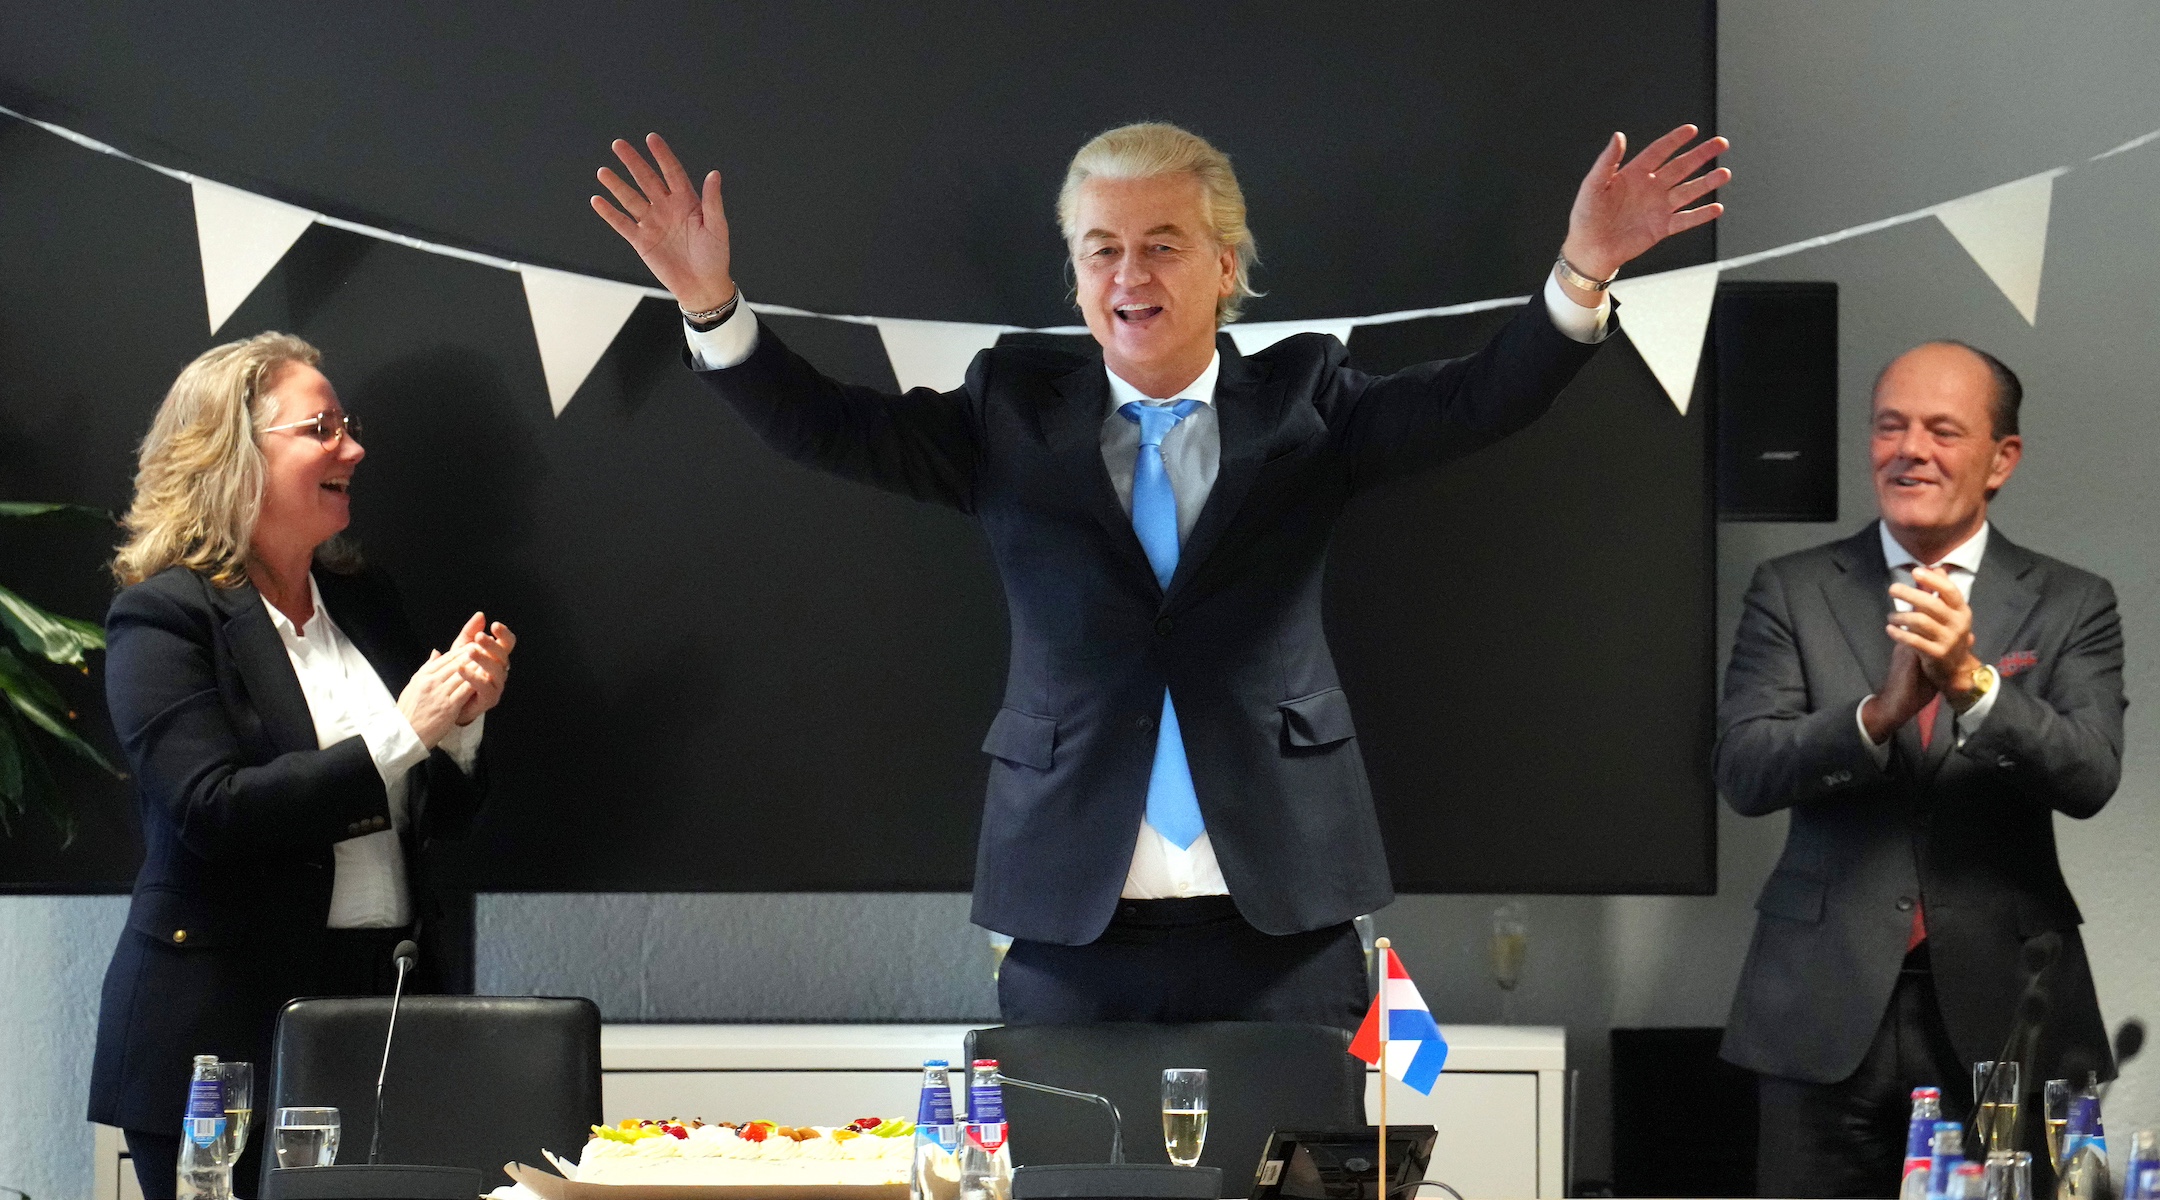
pixel 1968 830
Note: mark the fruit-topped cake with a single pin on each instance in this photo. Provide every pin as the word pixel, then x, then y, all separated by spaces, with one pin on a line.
pixel 871 1151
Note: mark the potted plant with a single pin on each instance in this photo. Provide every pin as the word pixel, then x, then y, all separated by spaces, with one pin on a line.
pixel 35 711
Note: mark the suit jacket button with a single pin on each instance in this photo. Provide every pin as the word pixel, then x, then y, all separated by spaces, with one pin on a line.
pixel 1829 781
pixel 1163 626
pixel 2006 762
pixel 1904 903
pixel 179 936
pixel 1143 724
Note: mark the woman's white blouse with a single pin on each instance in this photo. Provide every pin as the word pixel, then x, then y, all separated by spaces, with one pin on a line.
pixel 346 697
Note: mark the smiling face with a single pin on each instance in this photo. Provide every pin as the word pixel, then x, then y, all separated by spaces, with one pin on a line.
pixel 306 485
pixel 1149 276
pixel 1935 455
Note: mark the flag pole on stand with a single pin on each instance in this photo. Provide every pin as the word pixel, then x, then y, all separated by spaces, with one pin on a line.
pixel 1383 945
pixel 1398 1014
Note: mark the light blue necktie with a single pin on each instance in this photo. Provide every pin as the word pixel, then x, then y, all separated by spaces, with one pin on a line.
pixel 1172 808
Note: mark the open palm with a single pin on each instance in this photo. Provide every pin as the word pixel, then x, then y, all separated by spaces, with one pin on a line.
pixel 1623 210
pixel 679 230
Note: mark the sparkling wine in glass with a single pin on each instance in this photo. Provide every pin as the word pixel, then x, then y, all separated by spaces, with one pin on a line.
pixel 2056 1098
pixel 238 1080
pixel 1184 1114
pixel 1997 1097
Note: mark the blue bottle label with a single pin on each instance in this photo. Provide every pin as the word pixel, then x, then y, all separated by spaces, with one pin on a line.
pixel 986 1104
pixel 205 1121
pixel 935 1107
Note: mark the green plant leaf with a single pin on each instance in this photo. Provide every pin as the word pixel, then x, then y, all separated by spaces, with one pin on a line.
pixel 39 702
pixel 11 767
pixel 32 509
pixel 38 790
pixel 50 636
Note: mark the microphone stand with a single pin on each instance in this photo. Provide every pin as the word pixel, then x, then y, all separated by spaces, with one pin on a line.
pixel 1117 1122
pixel 404 964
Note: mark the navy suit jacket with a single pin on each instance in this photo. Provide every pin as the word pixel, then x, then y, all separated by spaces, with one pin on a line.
pixel 1236 636
pixel 239 808
pixel 1966 831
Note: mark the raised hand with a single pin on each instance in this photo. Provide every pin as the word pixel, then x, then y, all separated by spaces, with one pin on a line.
pixel 1623 210
pixel 486 665
pixel 680 232
pixel 434 697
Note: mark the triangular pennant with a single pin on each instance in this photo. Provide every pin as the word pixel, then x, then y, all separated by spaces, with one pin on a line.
pixel 1254 336
pixel 2005 230
pixel 933 354
pixel 575 318
pixel 1666 316
pixel 241 236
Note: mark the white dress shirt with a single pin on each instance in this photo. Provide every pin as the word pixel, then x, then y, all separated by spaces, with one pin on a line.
pixel 1192 453
pixel 346 697
pixel 1963 567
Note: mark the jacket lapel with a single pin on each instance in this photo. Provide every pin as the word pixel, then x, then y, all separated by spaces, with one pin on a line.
pixel 265 669
pixel 2003 598
pixel 1073 430
pixel 1246 404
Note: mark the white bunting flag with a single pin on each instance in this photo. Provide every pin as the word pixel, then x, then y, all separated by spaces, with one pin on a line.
pixel 934 354
pixel 1254 336
pixel 1666 316
pixel 2005 230
pixel 241 236
pixel 575 318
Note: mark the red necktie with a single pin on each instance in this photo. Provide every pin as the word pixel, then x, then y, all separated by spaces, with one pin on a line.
pixel 1926 718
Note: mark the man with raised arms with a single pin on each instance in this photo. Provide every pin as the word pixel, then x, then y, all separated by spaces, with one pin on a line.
pixel 1178 825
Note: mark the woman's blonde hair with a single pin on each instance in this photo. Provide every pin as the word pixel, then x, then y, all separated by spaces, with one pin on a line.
pixel 1152 148
pixel 199 473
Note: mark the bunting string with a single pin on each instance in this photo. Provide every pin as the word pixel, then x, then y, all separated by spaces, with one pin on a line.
pixel 243 236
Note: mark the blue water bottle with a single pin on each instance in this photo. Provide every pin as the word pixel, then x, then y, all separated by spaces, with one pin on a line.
pixel 1920 1143
pixel 985 1149
pixel 205 1167
pixel 1947 1151
pixel 936 1136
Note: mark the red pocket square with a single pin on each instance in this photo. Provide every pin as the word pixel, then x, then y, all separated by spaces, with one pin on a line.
pixel 2017 661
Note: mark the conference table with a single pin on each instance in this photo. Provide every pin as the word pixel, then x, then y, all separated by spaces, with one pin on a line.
pixel 1500 1106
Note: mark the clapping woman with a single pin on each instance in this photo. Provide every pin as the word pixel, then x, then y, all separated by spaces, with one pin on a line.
pixel 294 743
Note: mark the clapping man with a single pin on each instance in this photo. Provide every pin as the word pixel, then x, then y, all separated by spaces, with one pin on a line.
pixel 1922 697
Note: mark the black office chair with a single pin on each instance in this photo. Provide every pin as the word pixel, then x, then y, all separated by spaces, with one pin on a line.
pixel 474 1081
pixel 1261 1077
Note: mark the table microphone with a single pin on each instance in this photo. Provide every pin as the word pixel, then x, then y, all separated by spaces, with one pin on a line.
pixel 404 956
pixel 1117 1121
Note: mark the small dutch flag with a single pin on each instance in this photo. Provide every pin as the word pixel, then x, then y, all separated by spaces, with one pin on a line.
pixel 1415 1049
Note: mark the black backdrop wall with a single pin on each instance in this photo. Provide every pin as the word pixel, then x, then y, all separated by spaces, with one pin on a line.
pixel 734 674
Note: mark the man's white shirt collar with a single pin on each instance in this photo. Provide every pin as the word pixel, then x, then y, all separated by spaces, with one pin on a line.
pixel 1201 389
pixel 1966 556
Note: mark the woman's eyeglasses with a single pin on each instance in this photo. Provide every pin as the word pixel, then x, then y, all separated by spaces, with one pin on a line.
pixel 325 427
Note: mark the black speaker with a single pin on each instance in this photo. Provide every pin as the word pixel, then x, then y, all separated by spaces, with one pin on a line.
pixel 1775 375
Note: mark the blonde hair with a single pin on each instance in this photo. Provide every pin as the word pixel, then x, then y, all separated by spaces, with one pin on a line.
pixel 199 473
pixel 1152 148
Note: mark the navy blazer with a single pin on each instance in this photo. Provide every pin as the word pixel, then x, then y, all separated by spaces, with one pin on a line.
pixel 240 809
pixel 1236 636
pixel 1966 831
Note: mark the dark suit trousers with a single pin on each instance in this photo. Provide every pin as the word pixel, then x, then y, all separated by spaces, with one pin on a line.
pixel 1175 961
pixel 1848 1138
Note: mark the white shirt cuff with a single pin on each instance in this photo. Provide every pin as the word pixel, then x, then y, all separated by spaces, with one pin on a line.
pixel 726 344
pixel 1968 722
pixel 1579 322
pixel 1879 751
pixel 396 749
pixel 462 743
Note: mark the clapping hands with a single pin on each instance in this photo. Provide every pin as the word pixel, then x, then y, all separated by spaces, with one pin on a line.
pixel 454 688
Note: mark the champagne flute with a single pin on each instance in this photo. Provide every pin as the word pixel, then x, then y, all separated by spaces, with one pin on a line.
pixel 2056 1099
pixel 1995 1092
pixel 238 1083
pixel 1184 1114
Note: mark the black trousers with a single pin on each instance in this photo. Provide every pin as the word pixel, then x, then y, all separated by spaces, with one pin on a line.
pixel 355 962
pixel 1173 961
pixel 1848 1138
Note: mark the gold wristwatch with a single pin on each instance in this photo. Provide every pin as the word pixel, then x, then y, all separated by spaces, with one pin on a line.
pixel 1983 682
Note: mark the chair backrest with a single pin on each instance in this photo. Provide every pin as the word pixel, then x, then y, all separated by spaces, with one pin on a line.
pixel 1261 1076
pixel 474 1081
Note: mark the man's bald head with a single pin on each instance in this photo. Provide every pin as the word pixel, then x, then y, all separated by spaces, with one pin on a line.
pixel 1954 363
